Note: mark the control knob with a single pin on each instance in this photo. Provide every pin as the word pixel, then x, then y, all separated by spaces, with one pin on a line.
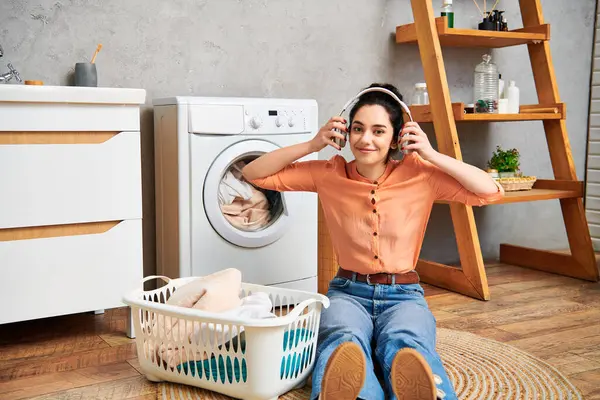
pixel 255 122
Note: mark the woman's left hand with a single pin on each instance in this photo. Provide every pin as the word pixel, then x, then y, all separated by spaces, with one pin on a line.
pixel 413 138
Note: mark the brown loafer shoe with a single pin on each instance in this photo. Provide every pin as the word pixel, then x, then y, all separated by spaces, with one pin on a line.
pixel 345 373
pixel 412 378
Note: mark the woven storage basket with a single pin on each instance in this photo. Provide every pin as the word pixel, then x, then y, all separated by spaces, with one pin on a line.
pixel 517 183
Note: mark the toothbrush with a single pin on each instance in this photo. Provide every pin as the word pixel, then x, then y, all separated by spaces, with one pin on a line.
pixel 96 52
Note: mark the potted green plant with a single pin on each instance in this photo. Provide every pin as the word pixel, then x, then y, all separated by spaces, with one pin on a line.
pixel 505 162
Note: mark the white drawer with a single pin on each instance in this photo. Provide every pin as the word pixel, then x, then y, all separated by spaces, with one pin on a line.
pixel 50 184
pixel 69 117
pixel 69 274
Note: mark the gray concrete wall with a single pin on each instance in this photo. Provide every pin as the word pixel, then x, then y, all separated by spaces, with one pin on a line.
pixel 326 50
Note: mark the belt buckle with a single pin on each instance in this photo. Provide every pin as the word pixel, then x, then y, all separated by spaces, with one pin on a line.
pixel 369 280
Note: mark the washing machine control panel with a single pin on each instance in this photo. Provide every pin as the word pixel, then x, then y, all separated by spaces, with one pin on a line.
pixel 276 120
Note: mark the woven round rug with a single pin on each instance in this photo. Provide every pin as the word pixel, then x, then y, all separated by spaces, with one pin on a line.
pixel 482 369
pixel 479 368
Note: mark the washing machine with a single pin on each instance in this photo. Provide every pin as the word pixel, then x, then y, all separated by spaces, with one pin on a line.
pixel 208 217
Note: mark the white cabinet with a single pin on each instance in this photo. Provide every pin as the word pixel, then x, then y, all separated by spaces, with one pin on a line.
pixel 71 199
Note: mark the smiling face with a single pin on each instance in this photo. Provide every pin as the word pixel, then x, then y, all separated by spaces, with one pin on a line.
pixel 371 135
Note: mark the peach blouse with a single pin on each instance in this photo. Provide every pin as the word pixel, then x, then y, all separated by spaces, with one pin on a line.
pixel 375 226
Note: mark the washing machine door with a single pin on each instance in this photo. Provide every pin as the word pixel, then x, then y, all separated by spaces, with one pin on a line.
pixel 240 213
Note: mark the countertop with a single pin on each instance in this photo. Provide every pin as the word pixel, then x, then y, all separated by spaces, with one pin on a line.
pixel 70 94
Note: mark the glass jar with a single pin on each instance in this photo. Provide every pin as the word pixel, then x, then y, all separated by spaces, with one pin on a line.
pixel 485 86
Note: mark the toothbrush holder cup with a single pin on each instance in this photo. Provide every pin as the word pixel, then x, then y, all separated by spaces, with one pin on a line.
pixel 86 74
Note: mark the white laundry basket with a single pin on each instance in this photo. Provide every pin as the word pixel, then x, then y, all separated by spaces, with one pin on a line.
pixel 258 359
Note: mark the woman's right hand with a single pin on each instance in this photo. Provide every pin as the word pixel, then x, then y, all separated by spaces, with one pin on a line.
pixel 326 134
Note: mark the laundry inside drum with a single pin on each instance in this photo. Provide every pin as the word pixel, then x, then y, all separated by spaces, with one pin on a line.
pixel 244 206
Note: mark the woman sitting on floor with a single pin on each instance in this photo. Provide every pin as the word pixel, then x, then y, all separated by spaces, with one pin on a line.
pixel 376 210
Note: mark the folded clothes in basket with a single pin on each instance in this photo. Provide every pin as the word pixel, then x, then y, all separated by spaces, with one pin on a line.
pixel 211 335
pixel 232 368
pixel 218 292
pixel 254 306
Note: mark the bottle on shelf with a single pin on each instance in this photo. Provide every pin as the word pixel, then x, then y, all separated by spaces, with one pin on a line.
pixel 502 100
pixel 487 24
pixel 502 106
pixel 493 21
pixel 485 88
pixel 420 95
pixel 513 98
pixel 448 11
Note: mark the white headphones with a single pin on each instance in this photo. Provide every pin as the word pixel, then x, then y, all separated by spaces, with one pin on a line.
pixel 394 153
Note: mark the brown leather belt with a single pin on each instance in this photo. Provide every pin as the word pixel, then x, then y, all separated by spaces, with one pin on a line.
pixel 382 278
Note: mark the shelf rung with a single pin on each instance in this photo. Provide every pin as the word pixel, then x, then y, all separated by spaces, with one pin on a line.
pixel 549 261
pixel 530 112
pixel 536 195
pixel 447 277
pixel 543 189
pixel 455 37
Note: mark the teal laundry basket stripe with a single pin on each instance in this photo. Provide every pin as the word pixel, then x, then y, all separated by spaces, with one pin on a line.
pixel 232 368
pixel 228 369
pixel 300 334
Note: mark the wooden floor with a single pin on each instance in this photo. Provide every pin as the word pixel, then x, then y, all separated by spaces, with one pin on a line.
pixel 89 357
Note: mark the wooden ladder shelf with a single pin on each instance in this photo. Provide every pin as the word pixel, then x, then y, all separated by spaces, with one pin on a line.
pixel 430 34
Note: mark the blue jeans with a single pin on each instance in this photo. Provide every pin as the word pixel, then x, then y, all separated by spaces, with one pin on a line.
pixel 382 319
